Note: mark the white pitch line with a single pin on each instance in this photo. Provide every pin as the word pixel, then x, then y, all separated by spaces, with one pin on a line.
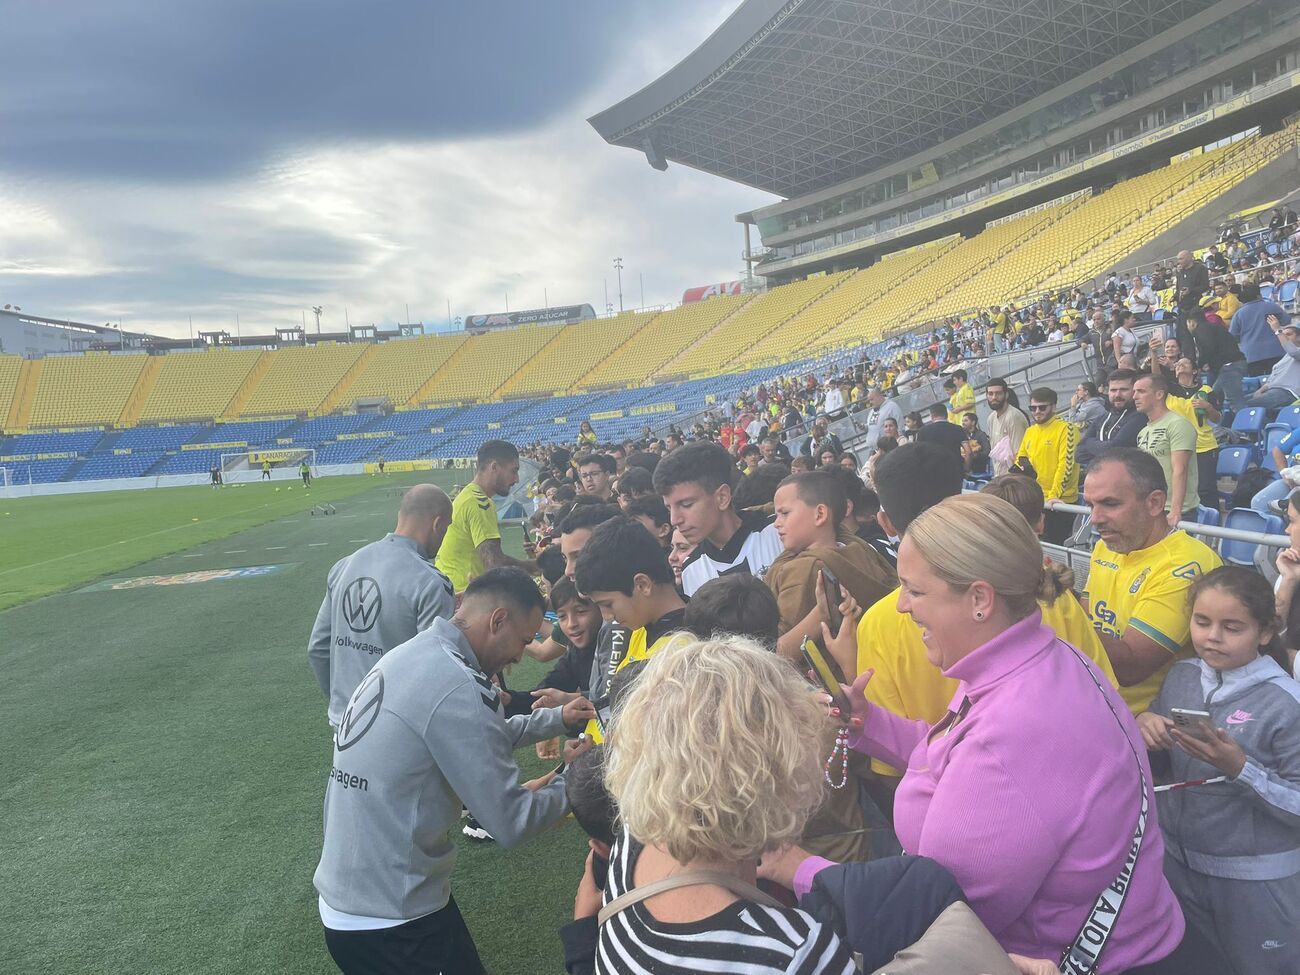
pixel 235 551
pixel 275 548
pixel 350 540
pixel 314 544
pixel 196 555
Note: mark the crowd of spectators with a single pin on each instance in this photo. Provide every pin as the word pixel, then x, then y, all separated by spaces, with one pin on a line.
pixel 846 717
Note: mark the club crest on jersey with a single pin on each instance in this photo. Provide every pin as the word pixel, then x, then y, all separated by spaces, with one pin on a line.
pixel 1137 583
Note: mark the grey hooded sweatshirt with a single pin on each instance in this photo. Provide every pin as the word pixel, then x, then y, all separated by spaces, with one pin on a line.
pixel 1247 828
pixel 376 599
pixel 424 733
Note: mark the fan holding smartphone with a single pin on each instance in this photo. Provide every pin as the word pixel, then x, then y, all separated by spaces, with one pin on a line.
pixel 822 563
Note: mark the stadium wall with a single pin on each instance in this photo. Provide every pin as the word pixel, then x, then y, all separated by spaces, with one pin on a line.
pixel 164 481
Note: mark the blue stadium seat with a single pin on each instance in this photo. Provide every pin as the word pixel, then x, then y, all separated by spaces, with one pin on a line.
pixel 1274 434
pixel 1286 292
pixel 1233 462
pixel 1290 415
pixel 1247 520
pixel 1205 515
pixel 1266 292
pixel 1250 420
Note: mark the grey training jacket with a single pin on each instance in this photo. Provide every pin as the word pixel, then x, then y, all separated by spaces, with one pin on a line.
pixel 375 599
pixel 423 733
pixel 1247 828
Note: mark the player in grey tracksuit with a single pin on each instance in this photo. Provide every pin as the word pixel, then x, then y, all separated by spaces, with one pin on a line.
pixel 1233 848
pixel 423 733
pixel 380 596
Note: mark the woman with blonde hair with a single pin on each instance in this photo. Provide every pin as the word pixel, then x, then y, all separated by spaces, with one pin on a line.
pixel 715 759
pixel 1034 789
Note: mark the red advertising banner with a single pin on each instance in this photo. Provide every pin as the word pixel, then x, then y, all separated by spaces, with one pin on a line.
pixel 710 290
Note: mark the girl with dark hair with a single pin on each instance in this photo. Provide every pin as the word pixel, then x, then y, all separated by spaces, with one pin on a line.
pixel 1232 819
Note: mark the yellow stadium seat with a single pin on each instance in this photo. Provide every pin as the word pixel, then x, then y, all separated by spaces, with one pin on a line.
pixel 400 367
pixel 741 330
pixel 572 353
pixel 662 338
pixel 197 385
pixel 10 365
pixel 486 361
pixel 299 379
pixel 84 390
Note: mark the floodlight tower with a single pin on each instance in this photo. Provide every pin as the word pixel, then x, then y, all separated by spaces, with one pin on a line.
pixel 316 310
pixel 618 266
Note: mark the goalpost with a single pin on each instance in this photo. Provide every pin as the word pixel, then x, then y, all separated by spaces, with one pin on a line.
pixel 245 466
pixel 6 479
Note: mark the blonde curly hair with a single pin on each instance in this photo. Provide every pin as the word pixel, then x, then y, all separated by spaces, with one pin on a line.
pixel 715 754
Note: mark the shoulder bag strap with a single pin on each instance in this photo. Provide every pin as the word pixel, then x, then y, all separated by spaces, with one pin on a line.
pixel 1083 955
pixel 692 878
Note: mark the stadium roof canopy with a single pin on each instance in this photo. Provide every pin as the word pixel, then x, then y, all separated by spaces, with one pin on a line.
pixel 793 96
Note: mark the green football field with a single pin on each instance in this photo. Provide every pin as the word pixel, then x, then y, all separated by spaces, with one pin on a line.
pixel 162 792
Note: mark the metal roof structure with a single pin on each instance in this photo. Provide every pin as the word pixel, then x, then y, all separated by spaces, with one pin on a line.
pixel 793 96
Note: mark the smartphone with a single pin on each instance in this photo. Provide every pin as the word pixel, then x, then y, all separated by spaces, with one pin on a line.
pixel 1187 720
pixel 821 669
pixel 834 596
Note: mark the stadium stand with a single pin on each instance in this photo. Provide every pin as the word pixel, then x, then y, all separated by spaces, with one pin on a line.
pixel 10 367
pixel 400 367
pixel 481 365
pixel 197 385
pixel 576 350
pixel 84 390
pixel 816 323
pixel 747 325
pixel 662 338
pixel 299 380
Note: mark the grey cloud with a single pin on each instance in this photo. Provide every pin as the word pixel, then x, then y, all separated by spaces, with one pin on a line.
pixel 144 89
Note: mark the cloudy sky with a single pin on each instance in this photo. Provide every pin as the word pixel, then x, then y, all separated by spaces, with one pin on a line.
pixel 164 160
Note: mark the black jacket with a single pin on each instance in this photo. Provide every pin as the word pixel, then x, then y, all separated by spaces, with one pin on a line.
pixel 1193 282
pixel 1110 430
pixel 1215 346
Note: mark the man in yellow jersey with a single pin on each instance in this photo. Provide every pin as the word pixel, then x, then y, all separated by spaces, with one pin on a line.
pixel 1140 573
pixel 1200 406
pixel 473 541
pixel 910 479
pixel 624 571
pixel 1050 445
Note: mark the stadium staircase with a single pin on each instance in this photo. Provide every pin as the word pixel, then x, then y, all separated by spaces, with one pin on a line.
pixel 198 384
pixel 144 385
pixel 547 351
pixel 660 340
pixel 26 380
pixel 337 394
pixel 768 311
pixel 486 361
pixel 244 392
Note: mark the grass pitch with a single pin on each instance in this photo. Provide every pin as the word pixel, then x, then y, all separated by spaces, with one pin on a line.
pixel 163 788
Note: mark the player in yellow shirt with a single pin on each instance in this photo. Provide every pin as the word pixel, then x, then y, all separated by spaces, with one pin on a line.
pixel 1140 573
pixel 1050 445
pixel 473 541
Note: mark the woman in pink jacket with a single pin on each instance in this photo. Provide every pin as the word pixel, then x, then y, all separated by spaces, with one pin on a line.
pixel 1029 790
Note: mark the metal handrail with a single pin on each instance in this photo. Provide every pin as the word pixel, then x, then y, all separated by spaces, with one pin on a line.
pixel 1194 528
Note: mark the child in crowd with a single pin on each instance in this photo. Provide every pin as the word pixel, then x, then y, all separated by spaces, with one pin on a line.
pixel 650 511
pixel 809 511
pixel 624 571
pixel 1232 852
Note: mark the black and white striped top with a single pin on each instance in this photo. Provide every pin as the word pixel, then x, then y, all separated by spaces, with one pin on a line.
pixel 742 939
